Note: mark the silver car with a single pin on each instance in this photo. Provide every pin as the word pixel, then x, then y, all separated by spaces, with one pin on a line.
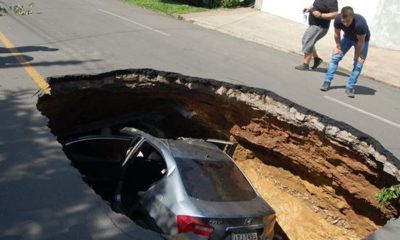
pixel 184 186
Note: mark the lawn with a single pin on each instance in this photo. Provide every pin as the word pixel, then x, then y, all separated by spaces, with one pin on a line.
pixel 171 7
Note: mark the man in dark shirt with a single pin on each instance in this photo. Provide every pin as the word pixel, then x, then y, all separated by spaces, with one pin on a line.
pixel 321 13
pixel 356 33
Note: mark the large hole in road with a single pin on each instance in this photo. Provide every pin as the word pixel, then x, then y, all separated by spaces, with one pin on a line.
pixel 318 174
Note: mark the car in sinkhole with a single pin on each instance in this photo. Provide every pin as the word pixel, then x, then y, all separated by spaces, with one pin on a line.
pixel 180 186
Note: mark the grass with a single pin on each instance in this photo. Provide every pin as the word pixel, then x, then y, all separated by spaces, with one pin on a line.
pixel 171 7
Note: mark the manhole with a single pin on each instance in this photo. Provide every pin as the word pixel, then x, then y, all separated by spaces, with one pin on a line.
pixel 319 175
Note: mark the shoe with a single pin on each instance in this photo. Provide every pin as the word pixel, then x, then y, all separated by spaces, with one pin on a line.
pixel 317 62
pixel 303 67
pixel 325 86
pixel 350 92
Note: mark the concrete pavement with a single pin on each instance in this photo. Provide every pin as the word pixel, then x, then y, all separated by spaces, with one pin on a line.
pixel 285 35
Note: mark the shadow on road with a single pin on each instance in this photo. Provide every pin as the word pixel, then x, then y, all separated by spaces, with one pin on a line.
pixel 18 60
pixel 360 90
pixel 27 49
pixel 41 195
pixel 14 61
pixel 339 73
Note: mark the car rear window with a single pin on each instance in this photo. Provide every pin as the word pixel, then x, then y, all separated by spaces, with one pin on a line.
pixel 214 180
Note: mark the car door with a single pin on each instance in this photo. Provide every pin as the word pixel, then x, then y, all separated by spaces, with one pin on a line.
pixel 141 172
pixel 99 160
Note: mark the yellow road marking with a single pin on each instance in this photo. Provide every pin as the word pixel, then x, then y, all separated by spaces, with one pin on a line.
pixel 35 75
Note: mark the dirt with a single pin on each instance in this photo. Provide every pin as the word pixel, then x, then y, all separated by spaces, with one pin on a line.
pixel 330 167
pixel 300 204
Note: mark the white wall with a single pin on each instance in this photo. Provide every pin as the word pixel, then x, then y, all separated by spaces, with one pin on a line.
pixel 386 24
pixel 383 16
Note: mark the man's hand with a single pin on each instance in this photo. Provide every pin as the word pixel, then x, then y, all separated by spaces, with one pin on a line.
pixel 361 60
pixel 336 50
pixel 316 13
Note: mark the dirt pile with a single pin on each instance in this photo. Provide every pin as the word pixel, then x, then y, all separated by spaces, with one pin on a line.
pixel 319 174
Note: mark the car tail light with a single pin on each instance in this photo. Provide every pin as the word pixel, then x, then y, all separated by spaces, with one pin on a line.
pixel 192 224
pixel 269 224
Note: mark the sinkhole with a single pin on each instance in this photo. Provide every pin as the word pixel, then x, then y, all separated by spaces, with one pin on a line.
pixel 320 175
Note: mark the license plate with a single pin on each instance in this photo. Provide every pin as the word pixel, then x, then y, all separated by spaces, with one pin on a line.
pixel 244 236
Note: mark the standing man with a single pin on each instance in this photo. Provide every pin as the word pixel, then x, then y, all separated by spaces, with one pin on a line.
pixel 356 33
pixel 321 13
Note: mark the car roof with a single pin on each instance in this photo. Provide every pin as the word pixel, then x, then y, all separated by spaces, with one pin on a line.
pixel 189 148
pixel 198 149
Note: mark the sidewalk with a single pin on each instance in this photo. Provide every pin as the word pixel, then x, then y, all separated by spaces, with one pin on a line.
pixel 285 35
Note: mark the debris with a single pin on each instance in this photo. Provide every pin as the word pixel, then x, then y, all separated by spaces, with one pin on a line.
pixel 19 9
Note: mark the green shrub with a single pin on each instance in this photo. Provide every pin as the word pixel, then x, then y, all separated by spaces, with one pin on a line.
pixel 2 10
pixel 230 3
pixel 227 3
pixel 388 194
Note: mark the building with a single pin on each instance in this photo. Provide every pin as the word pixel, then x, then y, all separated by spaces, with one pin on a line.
pixel 383 16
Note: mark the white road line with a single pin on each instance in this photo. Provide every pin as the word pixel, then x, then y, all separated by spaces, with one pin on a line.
pixel 363 111
pixel 134 22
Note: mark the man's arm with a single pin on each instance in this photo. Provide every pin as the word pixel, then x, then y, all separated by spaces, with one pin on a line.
pixel 328 16
pixel 333 11
pixel 359 47
pixel 337 41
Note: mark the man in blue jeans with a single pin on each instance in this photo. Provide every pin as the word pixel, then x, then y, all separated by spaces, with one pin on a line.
pixel 356 33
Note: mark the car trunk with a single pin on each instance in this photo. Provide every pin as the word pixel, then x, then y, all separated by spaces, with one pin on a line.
pixel 237 220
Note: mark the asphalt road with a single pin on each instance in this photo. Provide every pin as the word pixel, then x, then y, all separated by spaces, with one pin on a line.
pixel 92 36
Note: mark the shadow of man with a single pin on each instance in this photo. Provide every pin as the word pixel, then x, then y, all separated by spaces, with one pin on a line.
pixel 14 61
pixel 339 73
pixel 27 49
pixel 360 90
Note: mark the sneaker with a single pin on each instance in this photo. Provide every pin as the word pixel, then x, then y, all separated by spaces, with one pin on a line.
pixel 303 67
pixel 325 86
pixel 350 92
pixel 317 62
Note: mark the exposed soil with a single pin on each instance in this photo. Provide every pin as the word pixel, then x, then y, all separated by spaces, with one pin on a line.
pixel 300 204
pixel 319 175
